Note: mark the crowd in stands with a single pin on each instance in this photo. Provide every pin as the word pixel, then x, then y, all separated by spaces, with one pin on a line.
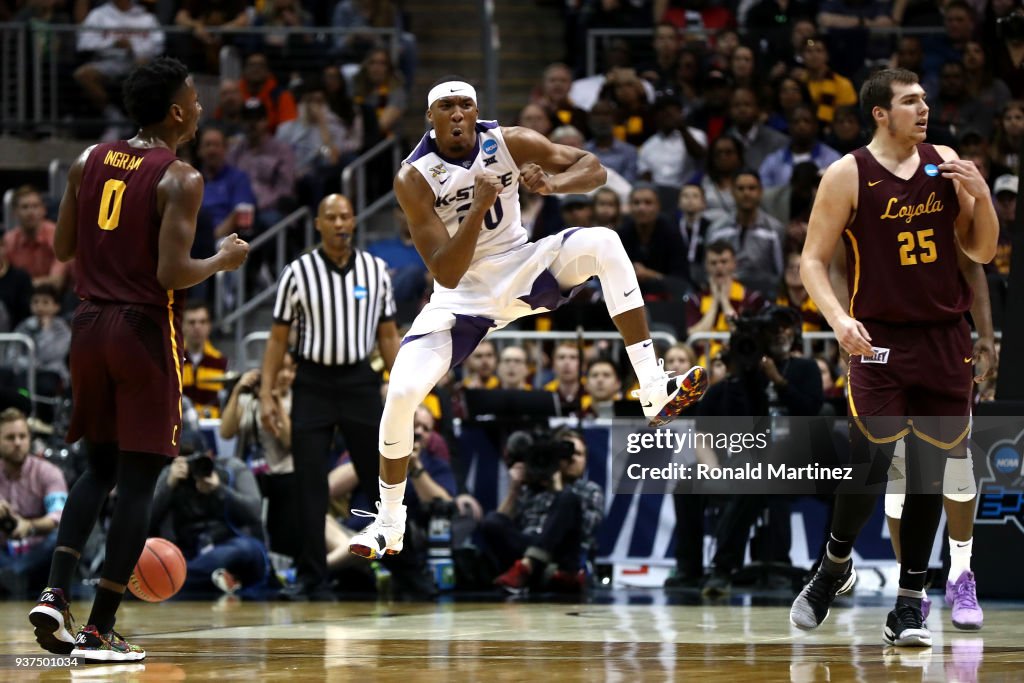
pixel 714 136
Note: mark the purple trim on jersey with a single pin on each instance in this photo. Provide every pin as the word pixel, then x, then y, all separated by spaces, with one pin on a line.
pixel 546 292
pixel 565 235
pixel 428 144
pixel 486 125
pixel 467 332
pixel 422 149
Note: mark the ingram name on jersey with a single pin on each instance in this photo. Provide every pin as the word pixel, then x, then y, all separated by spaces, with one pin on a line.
pixel 452 181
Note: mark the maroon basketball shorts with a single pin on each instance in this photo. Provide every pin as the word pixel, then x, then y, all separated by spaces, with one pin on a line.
pixel 918 381
pixel 126 376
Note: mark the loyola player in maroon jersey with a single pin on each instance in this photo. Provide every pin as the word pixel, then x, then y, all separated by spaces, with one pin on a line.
pixel 904 209
pixel 128 216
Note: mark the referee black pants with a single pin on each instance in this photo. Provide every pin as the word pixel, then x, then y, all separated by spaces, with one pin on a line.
pixel 325 398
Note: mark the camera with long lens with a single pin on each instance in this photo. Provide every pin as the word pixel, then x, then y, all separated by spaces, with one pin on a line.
pixel 8 524
pixel 753 336
pixel 1011 27
pixel 540 454
pixel 200 465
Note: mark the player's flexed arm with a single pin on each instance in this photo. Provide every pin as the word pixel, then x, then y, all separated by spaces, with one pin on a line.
pixel 977 226
pixel 447 257
pixel 833 207
pixel 571 170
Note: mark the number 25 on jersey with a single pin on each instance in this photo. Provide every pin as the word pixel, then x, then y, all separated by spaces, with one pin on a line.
pixel 917 246
pixel 110 204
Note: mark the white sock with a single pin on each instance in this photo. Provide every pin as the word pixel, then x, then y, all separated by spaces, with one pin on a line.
pixel 391 497
pixel 959 557
pixel 645 363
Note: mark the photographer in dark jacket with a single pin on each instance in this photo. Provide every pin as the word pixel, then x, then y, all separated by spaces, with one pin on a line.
pixel 213 510
pixel 546 526
pixel 763 379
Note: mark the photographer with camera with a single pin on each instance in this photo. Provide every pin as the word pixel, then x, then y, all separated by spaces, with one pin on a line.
pixel 212 511
pixel 32 495
pixel 545 529
pixel 763 378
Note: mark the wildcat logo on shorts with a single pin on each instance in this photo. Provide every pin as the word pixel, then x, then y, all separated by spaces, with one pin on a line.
pixel 490 146
pixel 437 171
pixel 880 355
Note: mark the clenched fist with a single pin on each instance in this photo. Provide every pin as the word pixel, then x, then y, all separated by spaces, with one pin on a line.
pixel 485 191
pixel 535 179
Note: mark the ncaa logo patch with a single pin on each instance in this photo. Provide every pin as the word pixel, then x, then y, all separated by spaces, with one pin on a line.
pixel 1000 496
pixel 490 146
pixel 931 169
pixel 359 292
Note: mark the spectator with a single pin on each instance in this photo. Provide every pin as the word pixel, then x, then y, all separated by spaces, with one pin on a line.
pixel 228 113
pixel 722 298
pixel 976 148
pixel 322 144
pixel 197 16
pixel 754 234
pixel 693 228
pixel 567 135
pixel 653 244
pixel 612 152
pixel 758 139
pixel 791 203
pixel 743 68
pixel 546 520
pixel 604 388
pixel 554 98
pixel 789 94
pixel 674 151
pixel 52 338
pixel 959 24
pixel 212 510
pixel 15 288
pixel 679 358
pixel 725 158
pixel 290 52
pixel 954 109
pixel 29 244
pixel 259 82
pixel 1005 193
pixel 478 370
pixel 634 123
pixel 228 198
pixel 32 496
pixel 534 117
pixel 269 163
pixel 910 55
pixel 541 214
pixel 982 85
pixel 268 455
pixel 567 383
pixel 774 21
pixel 850 24
pixel 202 373
pixel 828 89
pixel 847 132
pixel 409 275
pixel 662 69
pixel 804 145
pixel 577 211
pixel 339 101
pixel 380 87
pixel 793 294
pixel 607 208
pixel 109 50
pixel 1010 56
pixel 688 79
pixel 712 116
pixel 1009 136
pixel 513 368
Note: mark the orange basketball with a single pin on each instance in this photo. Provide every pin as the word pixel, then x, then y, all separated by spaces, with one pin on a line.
pixel 160 571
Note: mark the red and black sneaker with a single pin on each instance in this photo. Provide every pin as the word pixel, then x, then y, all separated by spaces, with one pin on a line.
pixel 515 580
pixel 53 622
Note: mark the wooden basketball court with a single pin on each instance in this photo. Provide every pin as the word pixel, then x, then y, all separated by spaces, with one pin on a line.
pixel 625 637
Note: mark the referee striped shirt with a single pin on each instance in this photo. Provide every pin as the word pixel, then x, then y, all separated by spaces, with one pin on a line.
pixel 337 309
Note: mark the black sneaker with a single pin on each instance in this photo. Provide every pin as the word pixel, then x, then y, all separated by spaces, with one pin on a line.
pixel 811 607
pixel 53 622
pixel 717 586
pixel 905 627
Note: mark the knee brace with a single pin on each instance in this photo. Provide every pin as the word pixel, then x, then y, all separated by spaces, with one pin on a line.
pixel 420 364
pixel 587 252
pixel 958 479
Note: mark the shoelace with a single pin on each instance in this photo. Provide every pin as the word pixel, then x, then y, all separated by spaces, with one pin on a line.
pixel 375 516
pixel 909 615
pixel 664 375
pixel 967 595
pixel 823 586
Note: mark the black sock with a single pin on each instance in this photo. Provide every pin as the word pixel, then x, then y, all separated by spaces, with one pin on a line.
pixel 104 607
pixel 838 551
pixel 62 568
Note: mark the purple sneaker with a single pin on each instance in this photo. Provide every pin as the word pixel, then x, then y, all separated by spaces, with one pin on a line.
pixel 962 596
pixel 926 607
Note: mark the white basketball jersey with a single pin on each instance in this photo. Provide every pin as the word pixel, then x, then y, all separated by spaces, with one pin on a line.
pixel 452 181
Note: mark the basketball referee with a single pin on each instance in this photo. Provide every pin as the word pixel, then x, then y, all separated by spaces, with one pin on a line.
pixel 340 299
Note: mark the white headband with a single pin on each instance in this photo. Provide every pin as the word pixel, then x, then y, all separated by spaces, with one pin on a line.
pixel 449 89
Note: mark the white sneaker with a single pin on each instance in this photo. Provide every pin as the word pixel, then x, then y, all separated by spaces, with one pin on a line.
pixel 665 396
pixel 383 536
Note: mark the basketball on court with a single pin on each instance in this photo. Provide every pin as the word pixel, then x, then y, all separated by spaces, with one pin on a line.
pixel 159 573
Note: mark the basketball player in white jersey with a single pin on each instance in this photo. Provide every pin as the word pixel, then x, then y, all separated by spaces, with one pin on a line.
pixel 459 190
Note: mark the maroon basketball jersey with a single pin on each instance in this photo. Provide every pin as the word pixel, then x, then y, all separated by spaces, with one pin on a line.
pixel 901 251
pixel 119 226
